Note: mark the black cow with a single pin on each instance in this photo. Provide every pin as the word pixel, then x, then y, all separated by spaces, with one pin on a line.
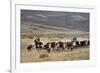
pixel 70 45
pixel 60 46
pixel 77 44
pixel 88 43
pixel 83 43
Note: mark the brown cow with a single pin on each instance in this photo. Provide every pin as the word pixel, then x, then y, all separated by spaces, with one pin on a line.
pixel 47 47
pixel 29 48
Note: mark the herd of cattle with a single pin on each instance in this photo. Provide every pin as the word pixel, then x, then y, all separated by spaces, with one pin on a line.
pixel 58 46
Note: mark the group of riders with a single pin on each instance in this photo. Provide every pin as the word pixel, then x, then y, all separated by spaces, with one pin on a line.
pixel 58 46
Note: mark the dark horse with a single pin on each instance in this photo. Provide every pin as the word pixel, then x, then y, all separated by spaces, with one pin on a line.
pixel 36 41
pixel 38 44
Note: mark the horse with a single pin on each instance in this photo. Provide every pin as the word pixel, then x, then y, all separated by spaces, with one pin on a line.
pixel 39 46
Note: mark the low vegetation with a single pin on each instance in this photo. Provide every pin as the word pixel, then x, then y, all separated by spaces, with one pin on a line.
pixel 66 55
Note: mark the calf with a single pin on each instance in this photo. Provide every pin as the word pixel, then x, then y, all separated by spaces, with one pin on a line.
pixel 29 48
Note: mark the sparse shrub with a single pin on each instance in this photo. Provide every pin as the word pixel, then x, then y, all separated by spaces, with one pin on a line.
pixel 43 56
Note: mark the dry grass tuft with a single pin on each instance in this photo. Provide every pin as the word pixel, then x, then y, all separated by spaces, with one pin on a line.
pixel 43 56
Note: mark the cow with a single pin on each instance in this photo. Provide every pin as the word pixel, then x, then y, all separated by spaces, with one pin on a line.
pixel 60 46
pixel 88 43
pixel 64 45
pixel 77 44
pixel 83 43
pixel 53 45
pixel 29 48
pixel 70 45
pixel 47 47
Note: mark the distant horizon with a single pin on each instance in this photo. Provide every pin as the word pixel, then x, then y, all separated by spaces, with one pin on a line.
pixel 67 20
